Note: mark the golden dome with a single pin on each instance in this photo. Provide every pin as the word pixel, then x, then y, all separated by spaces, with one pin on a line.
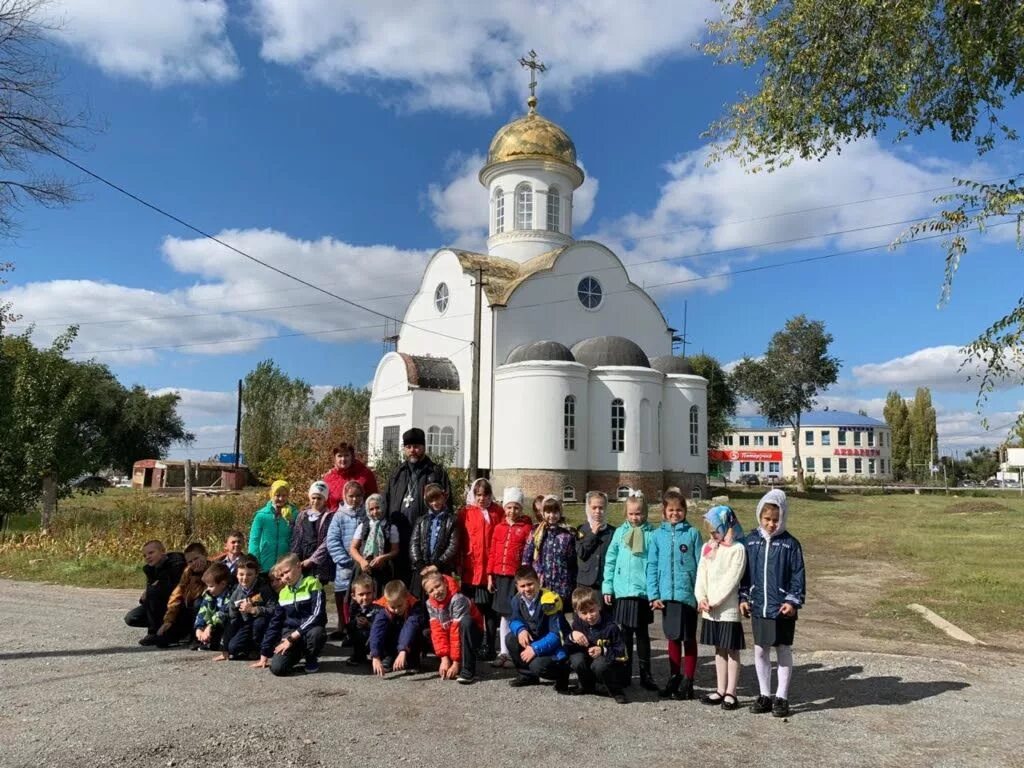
pixel 531 137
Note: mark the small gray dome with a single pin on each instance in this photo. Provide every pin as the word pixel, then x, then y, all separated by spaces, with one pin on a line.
pixel 672 364
pixel 609 350
pixel 540 350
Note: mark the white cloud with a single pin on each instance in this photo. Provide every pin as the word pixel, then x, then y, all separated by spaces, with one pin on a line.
pixel 238 304
pixel 719 216
pixel 460 207
pixel 463 56
pixel 119 322
pixel 943 368
pixel 157 41
pixel 200 403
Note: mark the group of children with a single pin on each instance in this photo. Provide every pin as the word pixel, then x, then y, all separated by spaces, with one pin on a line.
pixel 493 583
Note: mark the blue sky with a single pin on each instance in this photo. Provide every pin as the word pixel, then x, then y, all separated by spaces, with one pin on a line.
pixel 342 144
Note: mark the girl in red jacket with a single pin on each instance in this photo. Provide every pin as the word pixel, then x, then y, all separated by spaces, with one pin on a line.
pixel 476 525
pixel 505 552
pixel 456 627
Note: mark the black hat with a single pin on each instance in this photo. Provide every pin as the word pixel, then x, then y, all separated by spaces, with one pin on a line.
pixel 414 436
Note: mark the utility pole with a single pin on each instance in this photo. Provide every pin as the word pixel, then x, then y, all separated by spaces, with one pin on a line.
pixel 685 308
pixel 238 425
pixel 474 413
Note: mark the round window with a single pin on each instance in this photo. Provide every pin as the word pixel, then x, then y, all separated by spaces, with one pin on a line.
pixel 441 297
pixel 589 293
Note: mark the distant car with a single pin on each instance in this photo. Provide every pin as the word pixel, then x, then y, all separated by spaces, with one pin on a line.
pixel 992 483
pixel 750 480
pixel 1011 483
pixel 968 484
pixel 92 484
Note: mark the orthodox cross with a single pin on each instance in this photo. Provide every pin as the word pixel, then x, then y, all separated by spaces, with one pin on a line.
pixel 534 66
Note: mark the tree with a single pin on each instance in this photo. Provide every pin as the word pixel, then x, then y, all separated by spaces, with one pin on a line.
pixel 923 433
pixel 722 400
pixel 274 406
pixel 61 419
pixel 785 383
pixel 833 73
pixel 981 464
pixel 897 416
pixel 33 120
pixel 146 427
pixel 341 416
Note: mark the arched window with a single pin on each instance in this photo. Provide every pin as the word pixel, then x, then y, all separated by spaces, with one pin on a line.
pixel 446 445
pixel 645 426
pixel 694 430
pixel 659 429
pixel 499 211
pixel 433 440
pixel 554 210
pixel 569 424
pixel 524 207
pixel 622 493
pixel 569 493
pixel 618 426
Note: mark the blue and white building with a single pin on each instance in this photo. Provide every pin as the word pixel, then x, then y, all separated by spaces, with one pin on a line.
pixel 833 444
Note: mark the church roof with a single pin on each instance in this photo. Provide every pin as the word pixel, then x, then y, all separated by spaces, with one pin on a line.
pixel 430 372
pixel 540 350
pixel 672 364
pixel 610 350
pixel 531 136
pixel 503 276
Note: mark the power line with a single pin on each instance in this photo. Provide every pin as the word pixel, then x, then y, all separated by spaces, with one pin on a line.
pixel 747 270
pixel 535 278
pixel 207 235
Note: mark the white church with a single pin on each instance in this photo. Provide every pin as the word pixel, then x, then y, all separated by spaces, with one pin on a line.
pixel 579 389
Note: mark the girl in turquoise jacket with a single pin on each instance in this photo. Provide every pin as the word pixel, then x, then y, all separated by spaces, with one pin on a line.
pixel 671 579
pixel 270 537
pixel 625 584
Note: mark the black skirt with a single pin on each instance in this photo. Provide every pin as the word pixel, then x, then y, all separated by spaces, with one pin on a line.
pixel 679 622
pixel 632 612
pixel 778 631
pixel 722 634
pixel 504 591
pixel 479 594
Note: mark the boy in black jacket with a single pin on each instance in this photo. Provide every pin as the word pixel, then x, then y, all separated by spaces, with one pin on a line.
pixel 435 540
pixel 163 571
pixel 361 613
pixel 596 651
pixel 251 603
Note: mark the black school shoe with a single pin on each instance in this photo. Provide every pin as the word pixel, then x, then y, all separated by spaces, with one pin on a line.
pixel 685 692
pixel 149 640
pixel 712 699
pixel 780 708
pixel 620 697
pixel 730 702
pixel 761 705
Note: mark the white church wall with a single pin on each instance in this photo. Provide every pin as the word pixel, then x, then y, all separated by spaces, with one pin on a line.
pixel 424 323
pixel 529 424
pixel 681 392
pixel 632 386
pixel 546 306
pixel 440 411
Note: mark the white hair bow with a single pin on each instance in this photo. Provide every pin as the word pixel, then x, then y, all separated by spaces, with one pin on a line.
pixel 635 493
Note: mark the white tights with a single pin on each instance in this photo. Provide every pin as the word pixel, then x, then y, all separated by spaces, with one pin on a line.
pixel 502 631
pixel 763 665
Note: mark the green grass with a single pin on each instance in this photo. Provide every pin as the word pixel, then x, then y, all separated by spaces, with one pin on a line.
pixel 960 556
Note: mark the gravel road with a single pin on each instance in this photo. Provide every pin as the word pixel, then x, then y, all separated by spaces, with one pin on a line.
pixel 76 690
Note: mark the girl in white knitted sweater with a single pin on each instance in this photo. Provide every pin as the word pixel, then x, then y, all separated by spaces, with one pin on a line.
pixel 722 563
